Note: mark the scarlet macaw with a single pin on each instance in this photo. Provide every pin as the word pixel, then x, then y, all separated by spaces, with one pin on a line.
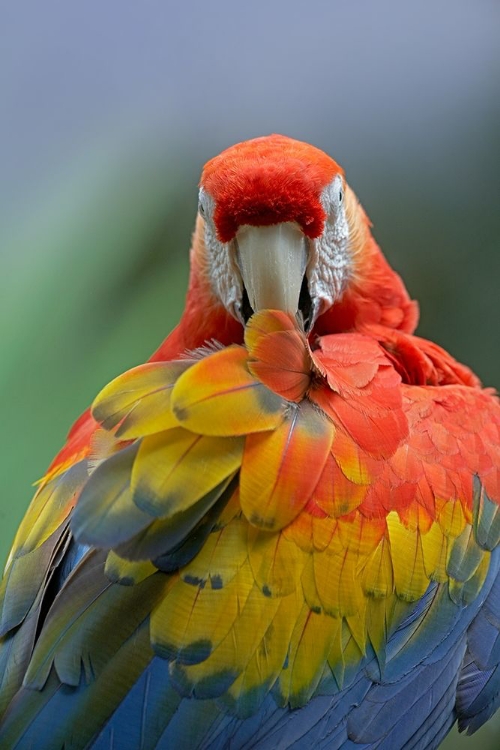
pixel 281 531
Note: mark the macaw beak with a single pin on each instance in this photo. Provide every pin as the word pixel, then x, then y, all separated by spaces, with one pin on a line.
pixel 272 261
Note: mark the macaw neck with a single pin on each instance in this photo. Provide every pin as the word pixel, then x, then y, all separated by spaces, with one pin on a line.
pixel 204 320
pixel 196 331
pixel 375 296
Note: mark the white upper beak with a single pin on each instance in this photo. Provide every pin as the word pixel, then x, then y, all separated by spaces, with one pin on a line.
pixel 272 262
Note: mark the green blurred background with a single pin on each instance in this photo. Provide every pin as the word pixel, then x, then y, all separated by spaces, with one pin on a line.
pixel 109 110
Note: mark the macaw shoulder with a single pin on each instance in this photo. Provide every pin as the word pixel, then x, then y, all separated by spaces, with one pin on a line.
pixel 406 401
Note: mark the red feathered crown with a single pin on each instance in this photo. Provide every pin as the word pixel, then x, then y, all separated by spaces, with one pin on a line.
pixel 266 181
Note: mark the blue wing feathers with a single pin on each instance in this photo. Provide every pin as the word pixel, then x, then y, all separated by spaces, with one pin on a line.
pixel 478 693
pixel 437 678
pixel 379 716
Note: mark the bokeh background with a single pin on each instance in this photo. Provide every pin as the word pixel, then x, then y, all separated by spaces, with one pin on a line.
pixel 109 109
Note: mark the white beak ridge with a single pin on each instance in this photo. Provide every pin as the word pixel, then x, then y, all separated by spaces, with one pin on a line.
pixel 272 261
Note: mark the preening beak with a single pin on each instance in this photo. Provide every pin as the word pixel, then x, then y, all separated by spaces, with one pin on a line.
pixel 272 261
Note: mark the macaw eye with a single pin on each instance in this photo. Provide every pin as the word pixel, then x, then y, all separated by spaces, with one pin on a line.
pixel 203 203
pixel 341 196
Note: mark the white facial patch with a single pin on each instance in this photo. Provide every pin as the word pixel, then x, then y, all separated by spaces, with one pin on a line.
pixel 329 265
pixel 224 273
pixel 330 262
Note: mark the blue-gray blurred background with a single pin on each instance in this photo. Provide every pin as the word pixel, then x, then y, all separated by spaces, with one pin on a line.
pixel 108 111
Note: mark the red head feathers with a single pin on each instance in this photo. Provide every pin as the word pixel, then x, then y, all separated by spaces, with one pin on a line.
pixel 266 181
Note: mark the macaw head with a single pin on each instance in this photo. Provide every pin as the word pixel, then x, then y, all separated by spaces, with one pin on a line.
pixel 278 228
